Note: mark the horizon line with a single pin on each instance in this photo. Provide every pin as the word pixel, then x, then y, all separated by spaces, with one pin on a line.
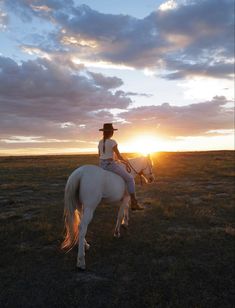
pixel 89 153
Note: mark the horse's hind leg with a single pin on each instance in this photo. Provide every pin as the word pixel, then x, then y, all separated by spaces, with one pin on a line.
pixel 87 245
pixel 125 220
pixel 123 215
pixel 86 218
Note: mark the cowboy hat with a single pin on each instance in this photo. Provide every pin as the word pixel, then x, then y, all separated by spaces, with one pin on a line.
pixel 107 127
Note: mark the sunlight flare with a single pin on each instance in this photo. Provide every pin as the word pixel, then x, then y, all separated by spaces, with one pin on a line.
pixel 144 144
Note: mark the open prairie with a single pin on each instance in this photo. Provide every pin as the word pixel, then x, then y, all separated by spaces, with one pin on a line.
pixel 178 252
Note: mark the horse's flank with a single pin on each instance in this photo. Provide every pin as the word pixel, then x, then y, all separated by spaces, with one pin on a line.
pixel 88 185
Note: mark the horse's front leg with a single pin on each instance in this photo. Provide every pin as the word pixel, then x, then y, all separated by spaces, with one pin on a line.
pixel 122 215
pixel 86 218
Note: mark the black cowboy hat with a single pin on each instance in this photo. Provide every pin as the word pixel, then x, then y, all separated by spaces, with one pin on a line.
pixel 107 127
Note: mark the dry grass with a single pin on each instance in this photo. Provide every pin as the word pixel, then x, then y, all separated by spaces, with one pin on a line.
pixel 179 252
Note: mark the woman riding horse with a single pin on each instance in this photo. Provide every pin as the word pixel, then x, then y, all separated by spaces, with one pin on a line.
pixel 107 147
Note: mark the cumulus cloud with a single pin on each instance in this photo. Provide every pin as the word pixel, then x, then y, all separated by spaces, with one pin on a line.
pixel 185 38
pixel 42 102
pixel 106 82
pixel 55 98
pixel 215 69
pixel 27 9
pixel 40 96
pixel 190 120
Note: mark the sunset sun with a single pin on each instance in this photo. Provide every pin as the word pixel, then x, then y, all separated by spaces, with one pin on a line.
pixel 145 144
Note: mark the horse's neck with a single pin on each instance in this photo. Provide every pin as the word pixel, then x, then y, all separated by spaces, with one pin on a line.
pixel 137 163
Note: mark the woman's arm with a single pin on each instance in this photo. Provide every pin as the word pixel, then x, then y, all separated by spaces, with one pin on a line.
pixel 116 151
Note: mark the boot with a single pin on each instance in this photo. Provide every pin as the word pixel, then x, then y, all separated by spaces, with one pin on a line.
pixel 134 204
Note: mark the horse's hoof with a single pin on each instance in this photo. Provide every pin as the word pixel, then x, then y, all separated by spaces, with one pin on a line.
pixel 117 235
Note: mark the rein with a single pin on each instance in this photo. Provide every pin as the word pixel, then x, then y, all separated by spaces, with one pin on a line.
pixel 140 173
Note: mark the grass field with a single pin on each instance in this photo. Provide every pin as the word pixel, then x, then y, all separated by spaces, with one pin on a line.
pixel 178 252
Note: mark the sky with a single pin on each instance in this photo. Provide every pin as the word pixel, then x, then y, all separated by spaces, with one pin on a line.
pixel 161 71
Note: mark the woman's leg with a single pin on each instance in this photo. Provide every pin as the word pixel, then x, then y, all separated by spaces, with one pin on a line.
pixel 130 182
pixel 128 178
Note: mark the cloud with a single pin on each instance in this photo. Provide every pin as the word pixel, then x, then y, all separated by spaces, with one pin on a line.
pixel 174 121
pixel 207 39
pixel 106 82
pixel 3 20
pixel 27 9
pixel 42 102
pixel 178 40
pixel 55 98
pixel 127 94
pixel 215 69
pixel 120 39
pixel 39 96
pixel 185 40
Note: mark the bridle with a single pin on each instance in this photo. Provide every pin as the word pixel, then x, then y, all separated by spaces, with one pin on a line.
pixel 140 173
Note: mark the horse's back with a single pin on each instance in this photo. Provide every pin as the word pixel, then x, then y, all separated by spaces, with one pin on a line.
pixel 91 169
pixel 91 174
pixel 98 183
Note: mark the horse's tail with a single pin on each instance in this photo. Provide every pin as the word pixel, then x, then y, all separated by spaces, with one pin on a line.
pixel 72 209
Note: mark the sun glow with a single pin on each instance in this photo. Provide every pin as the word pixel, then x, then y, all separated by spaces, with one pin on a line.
pixel 144 144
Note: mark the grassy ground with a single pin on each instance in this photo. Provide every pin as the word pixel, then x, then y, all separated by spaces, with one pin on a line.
pixel 179 252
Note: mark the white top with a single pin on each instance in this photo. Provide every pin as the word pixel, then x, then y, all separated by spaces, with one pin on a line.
pixel 109 144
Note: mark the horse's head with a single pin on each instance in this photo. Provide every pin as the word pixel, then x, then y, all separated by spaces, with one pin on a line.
pixel 147 169
pixel 141 166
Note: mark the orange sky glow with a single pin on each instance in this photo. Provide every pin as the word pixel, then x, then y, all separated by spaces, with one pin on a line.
pixel 142 144
pixel 162 73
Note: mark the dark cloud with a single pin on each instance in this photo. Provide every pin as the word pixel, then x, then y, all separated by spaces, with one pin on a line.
pixel 205 30
pixel 27 9
pixel 120 39
pixel 106 82
pixel 187 40
pixel 122 93
pixel 51 102
pixel 194 38
pixel 215 69
pixel 194 119
pixel 52 97
pixel 37 96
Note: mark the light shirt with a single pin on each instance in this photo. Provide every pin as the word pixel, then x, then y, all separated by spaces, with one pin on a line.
pixel 109 144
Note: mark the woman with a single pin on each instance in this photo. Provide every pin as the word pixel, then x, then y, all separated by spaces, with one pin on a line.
pixel 107 147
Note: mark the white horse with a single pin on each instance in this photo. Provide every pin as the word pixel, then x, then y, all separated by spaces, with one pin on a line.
pixel 86 187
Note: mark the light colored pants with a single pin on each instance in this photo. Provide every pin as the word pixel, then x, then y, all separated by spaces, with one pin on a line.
pixel 111 165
